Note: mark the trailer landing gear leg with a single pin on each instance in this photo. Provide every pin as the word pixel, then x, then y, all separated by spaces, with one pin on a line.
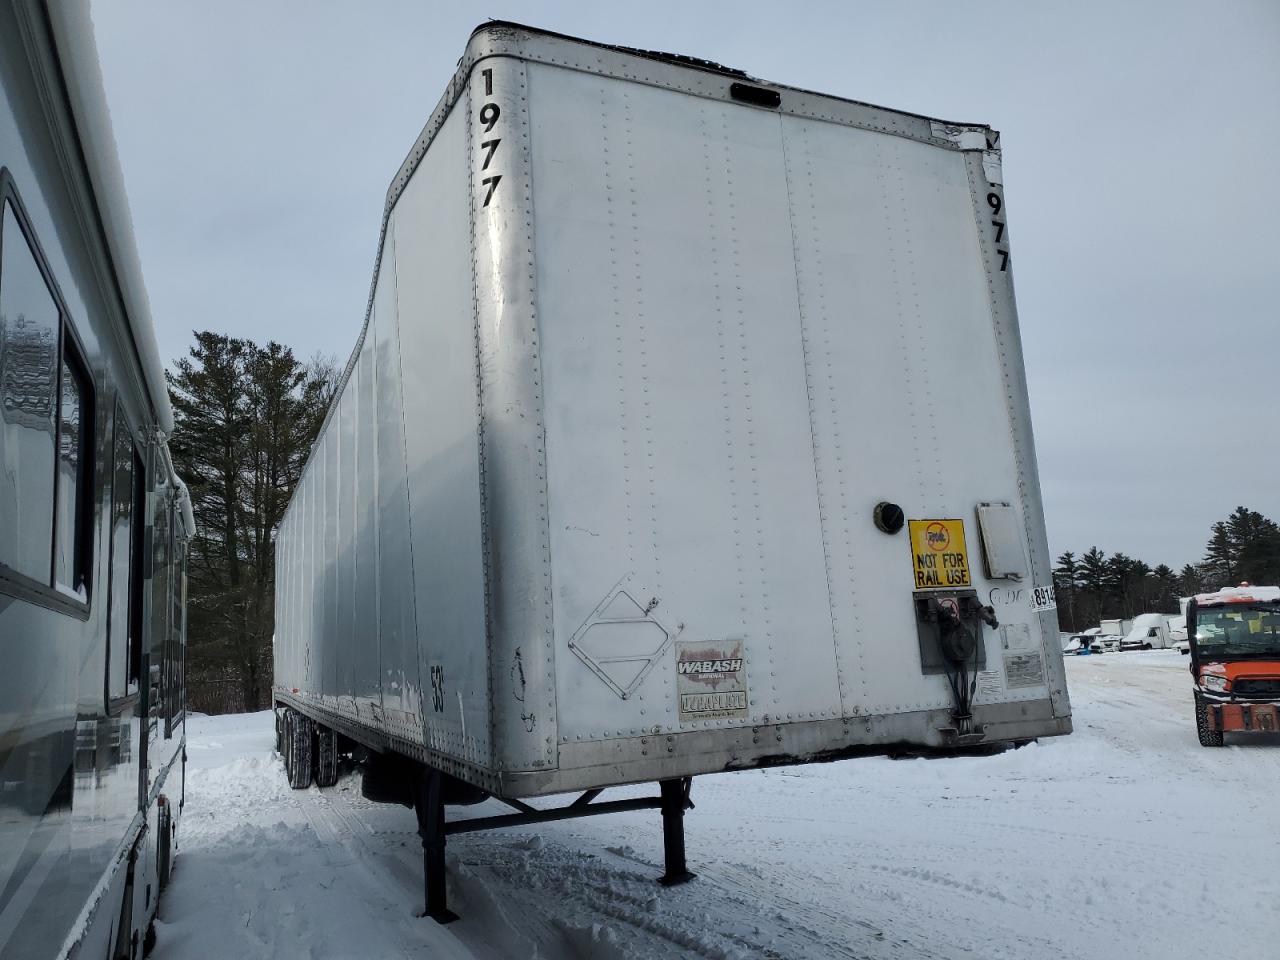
pixel 675 800
pixel 429 805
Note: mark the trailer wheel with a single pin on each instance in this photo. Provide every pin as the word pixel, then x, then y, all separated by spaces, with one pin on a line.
pixel 300 752
pixel 286 747
pixel 1208 736
pixel 326 756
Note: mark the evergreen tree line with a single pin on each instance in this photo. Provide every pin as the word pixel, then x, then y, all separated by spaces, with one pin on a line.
pixel 1093 586
pixel 245 418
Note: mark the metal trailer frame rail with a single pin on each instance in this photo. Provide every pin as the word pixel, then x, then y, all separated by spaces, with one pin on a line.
pixel 428 801
pixel 434 828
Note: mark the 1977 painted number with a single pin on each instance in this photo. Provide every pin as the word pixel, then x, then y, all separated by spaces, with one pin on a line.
pixel 996 205
pixel 488 116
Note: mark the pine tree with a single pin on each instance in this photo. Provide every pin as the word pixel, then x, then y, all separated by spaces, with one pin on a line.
pixel 245 419
pixel 1255 543
pixel 1166 588
pixel 1190 581
pixel 1244 547
pixel 1220 556
pixel 1119 583
pixel 1065 576
pixel 1093 579
pixel 1141 586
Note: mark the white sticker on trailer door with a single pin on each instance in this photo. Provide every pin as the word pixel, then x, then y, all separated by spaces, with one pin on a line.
pixel 1023 669
pixel 990 685
pixel 711 680
pixel 1042 599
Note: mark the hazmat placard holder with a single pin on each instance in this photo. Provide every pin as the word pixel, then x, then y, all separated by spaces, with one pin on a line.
pixel 939 555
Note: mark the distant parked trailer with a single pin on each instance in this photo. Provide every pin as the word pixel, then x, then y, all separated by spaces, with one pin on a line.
pixel 1117 627
pixel 1148 631
pixel 687 431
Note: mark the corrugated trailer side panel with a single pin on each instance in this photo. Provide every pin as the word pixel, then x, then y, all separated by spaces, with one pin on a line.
pixel 678 421
pixel 281 637
pixel 367 691
pixel 283 640
pixel 330 647
pixel 349 649
pixel 313 559
pixel 435 315
pixel 397 621
pixel 312 656
pixel 385 625
pixel 313 597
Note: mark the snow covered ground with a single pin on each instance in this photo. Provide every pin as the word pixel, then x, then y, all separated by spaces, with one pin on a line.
pixel 1126 839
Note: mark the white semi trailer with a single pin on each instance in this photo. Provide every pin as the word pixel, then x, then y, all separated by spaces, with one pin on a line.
pixel 687 431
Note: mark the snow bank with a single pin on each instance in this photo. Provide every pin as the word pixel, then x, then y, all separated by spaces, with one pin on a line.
pixel 1126 839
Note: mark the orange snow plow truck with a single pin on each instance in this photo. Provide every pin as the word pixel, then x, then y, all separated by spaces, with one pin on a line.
pixel 1234 636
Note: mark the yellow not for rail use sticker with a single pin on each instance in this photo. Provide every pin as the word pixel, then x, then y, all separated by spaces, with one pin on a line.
pixel 939 554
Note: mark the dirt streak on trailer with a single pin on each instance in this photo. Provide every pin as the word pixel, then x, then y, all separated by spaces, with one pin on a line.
pixel 687 431
pixel 94 524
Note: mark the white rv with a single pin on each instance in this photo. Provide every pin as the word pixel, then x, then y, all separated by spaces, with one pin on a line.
pixel 687 431
pixel 94 522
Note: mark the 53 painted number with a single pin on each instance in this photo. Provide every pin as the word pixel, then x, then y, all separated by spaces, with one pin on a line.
pixel 437 688
pixel 488 116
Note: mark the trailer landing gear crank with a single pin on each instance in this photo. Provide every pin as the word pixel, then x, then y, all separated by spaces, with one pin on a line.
pixel 428 803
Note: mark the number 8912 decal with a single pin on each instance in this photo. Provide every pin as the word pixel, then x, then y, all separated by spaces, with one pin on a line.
pixel 488 116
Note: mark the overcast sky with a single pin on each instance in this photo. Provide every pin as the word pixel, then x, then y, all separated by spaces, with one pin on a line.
pixel 1141 149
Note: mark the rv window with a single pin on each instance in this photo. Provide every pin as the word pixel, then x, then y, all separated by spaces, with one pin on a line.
pixel 29 321
pixel 161 575
pixel 75 475
pixel 137 540
pixel 173 656
pixel 124 631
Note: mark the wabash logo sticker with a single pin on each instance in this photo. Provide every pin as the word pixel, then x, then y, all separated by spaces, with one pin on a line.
pixel 711 682
pixel 710 666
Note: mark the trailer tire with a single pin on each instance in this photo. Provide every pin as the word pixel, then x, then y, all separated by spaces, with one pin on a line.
pixel 1208 737
pixel 286 746
pixel 300 755
pixel 326 756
